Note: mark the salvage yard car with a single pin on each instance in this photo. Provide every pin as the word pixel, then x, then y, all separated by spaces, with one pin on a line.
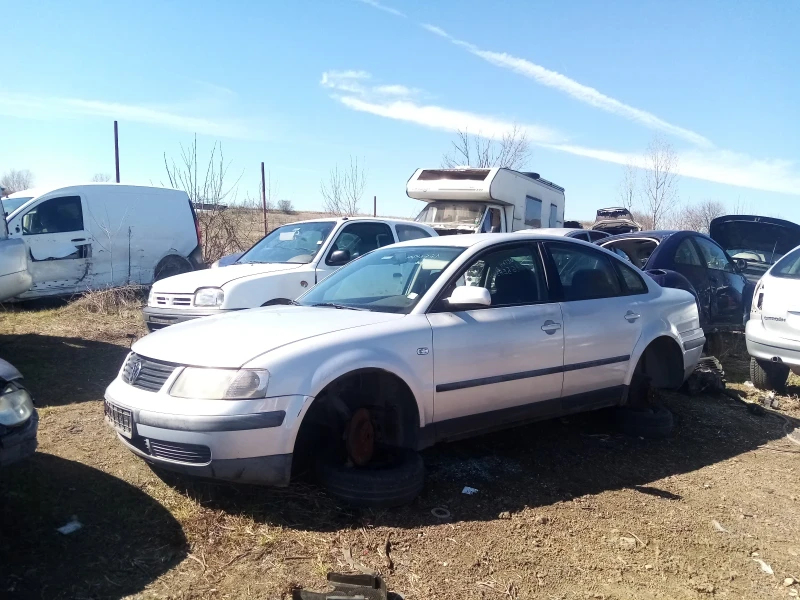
pixel 19 420
pixel 424 341
pixel 773 330
pixel 100 235
pixel 276 270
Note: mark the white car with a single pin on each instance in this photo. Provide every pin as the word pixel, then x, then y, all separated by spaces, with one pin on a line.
pixel 15 278
pixel 279 268
pixel 773 330
pixel 428 340
pixel 586 235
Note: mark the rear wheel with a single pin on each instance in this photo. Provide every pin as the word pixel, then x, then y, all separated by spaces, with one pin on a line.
pixel 767 375
pixel 170 266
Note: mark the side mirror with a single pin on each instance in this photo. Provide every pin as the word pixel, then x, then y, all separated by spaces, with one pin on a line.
pixel 469 296
pixel 741 264
pixel 339 257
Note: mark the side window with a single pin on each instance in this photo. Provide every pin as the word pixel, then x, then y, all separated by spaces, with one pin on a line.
pixel 634 284
pixel 513 276
pixel 553 216
pixel 686 254
pixel 596 235
pixel 409 232
pixel 584 273
pixel 533 212
pixel 56 215
pixel 714 256
pixel 492 222
pixel 360 238
pixel 581 236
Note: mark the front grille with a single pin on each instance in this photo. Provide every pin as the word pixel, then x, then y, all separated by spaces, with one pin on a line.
pixel 173 300
pixel 120 417
pixel 149 375
pixel 183 453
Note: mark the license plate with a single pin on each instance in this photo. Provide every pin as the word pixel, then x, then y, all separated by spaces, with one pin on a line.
pixel 161 320
pixel 121 419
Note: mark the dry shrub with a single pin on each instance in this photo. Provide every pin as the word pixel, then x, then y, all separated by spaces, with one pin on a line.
pixel 111 301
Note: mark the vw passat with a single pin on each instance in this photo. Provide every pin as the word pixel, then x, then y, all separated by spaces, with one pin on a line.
pixel 423 341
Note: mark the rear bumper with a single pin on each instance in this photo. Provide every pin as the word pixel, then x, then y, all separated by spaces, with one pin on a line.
pixel 19 442
pixel 763 345
pixel 157 318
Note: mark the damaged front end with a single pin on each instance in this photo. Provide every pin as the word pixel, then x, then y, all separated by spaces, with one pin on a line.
pixel 19 421
pixel 615 220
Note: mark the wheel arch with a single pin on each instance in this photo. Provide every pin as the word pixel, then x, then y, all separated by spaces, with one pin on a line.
pixel 662 360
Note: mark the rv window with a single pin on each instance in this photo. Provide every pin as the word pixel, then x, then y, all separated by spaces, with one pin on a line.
pixel 553 216
pixel 533 212
pixel 452 213
pixel 454 175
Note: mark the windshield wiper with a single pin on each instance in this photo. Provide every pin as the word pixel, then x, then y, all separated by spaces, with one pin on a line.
pixel 339 306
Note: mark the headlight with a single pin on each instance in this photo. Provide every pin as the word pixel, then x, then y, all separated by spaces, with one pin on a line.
pixel 209 297
pixel 16 405
pixel 220 384
pixel 150 297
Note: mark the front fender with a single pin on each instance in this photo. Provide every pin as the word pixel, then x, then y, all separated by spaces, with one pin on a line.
pixel 254 291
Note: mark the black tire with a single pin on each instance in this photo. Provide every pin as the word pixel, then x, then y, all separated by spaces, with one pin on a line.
pixel 389 483
pixel 170 266
pixel 651 422
pixel 768 376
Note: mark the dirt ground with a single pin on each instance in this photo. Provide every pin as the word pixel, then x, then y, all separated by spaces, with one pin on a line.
pixel 565 509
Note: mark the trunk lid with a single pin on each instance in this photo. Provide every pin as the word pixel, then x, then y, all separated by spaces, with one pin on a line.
pixel 761 241
pixel 615 220
pixel 780 307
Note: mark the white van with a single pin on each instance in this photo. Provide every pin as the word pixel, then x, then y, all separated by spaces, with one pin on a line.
pixel 101 235
pixel 496 200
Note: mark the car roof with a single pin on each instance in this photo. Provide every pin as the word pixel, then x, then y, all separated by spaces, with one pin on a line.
pixel 660 235
pixel 393 220
pixel 559 231
pixel 470 239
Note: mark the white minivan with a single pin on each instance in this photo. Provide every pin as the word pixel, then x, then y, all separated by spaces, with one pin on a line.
pixel 101 235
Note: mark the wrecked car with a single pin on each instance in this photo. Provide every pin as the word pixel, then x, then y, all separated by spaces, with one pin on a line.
pixel 615 220
pixel 758 242
pixel 19 420
pixel 423 341
pixel 101 235
pixel 723 292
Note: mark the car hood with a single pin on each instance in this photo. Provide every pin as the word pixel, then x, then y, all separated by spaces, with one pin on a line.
pixel 759 240
pixel 187 283
pixel 233 339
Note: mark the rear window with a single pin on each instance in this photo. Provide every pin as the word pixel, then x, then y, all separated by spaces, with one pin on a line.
pixel 409 232
pixel 789 266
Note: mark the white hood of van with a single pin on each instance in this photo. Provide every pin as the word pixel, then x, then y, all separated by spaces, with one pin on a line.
pixel 233 339
pixel 187 283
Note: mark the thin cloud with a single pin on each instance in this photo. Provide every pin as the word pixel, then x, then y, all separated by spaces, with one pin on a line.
pixel 718 166
pixel 383 7
pixel 41 108
pixel 395 90
pixel 583 93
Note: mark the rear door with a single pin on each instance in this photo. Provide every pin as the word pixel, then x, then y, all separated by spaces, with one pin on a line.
pixel 602 323
pixel 689 262
pixel 728 300
pixel 59 244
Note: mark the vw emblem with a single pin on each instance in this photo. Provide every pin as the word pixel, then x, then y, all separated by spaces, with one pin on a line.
pixel 136 369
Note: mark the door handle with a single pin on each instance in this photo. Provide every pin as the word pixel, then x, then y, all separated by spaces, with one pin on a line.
pixel 631 316
pixel 550 327
pixel 78 240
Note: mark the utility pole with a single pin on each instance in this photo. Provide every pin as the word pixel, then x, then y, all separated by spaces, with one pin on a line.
pixel 264 197
pixel 116 148
pixel 374 206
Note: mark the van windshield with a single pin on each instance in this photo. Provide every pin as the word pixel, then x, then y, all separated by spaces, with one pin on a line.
pixel 298 243
pixel 452 213
pixel 12 204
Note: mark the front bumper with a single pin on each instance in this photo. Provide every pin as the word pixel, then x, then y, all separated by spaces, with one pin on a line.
pixel 764 345
pixel 158 318
pixel 19 442
pixel 693 343
pixel 247 441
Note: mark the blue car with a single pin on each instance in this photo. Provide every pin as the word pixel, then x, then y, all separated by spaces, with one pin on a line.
pixel 723 292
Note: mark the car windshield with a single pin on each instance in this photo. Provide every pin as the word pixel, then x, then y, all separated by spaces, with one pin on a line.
pixel 789 266
pixel 297 243
pixel 386 280
pixel 12 204
pixel 452 213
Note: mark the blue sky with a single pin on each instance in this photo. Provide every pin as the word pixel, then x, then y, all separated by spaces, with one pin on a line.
pixel 304 85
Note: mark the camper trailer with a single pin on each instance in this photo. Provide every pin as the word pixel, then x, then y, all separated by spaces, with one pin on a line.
pixel 485 200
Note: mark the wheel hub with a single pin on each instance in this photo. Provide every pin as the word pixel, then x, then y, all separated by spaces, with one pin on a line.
pixel 360 437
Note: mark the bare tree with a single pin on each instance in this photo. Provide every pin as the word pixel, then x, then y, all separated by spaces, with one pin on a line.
pixel 660 185
pixel 16 180
pixel 698 217
pixel 629 185
pixel 344 189
pixel 286 207
pixel 512 150
pixel 101 177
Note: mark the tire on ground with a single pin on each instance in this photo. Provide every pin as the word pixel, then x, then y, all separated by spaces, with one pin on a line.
pixel 170 266
pixel 652 422
pixel 386 486
pixel 768 376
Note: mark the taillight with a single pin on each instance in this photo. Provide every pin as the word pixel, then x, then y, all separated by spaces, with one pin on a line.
pixel 758 298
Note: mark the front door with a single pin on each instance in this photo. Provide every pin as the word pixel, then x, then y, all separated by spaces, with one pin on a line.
pixel 503 363
pixel 59 245
pixel 602 323
pixel 357 238
pixel 689 262
pixel 728 285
